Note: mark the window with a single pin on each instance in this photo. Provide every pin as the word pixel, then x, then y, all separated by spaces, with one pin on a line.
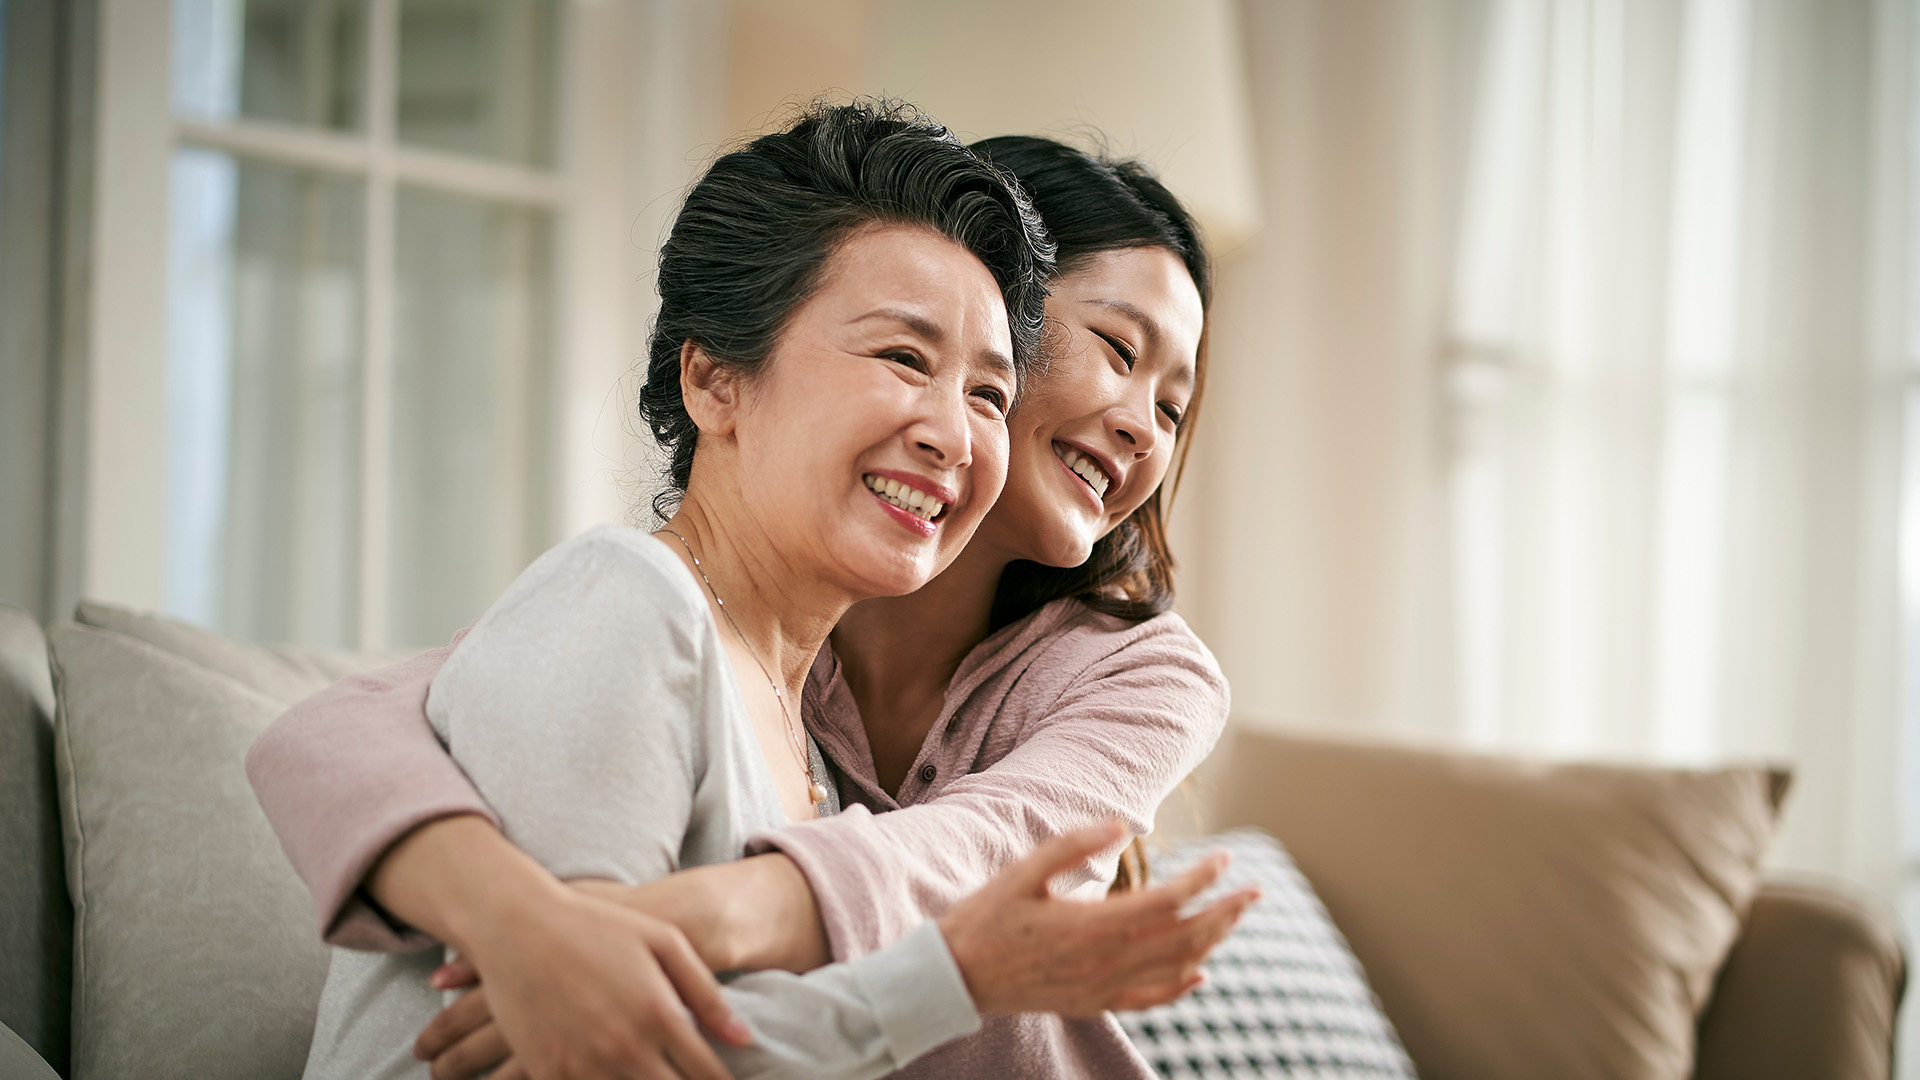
pixel 339 393
pixel 360 286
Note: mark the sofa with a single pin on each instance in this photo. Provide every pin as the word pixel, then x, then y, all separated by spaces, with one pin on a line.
pixel 148 926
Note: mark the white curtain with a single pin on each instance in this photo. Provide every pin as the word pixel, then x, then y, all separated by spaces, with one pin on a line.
pixel 1675 358
pixel 1559 407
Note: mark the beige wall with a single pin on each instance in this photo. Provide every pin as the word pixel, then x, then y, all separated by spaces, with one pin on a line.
pixel 1316 540
pixel 1158 78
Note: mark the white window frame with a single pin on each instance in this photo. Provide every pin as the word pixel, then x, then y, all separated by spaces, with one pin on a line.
pixel 619 152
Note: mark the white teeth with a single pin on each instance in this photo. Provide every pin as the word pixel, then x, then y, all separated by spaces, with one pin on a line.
pixel 912 500
pixel 1085 468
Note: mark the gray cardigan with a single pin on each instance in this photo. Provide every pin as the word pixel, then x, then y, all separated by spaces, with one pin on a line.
pixel 594 708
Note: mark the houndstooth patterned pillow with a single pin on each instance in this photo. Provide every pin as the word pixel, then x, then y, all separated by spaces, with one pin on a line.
pixel 1284 996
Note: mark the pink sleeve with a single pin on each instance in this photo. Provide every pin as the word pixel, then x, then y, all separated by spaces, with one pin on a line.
pixel 1129 728
pixel 344 775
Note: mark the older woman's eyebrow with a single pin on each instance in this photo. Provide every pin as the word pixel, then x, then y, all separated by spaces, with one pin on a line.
pixel 937 334
pixel 912 320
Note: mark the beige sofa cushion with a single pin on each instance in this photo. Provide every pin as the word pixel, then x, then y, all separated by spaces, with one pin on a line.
pixel 1812 988
pixel 193 955
pixel 1518 919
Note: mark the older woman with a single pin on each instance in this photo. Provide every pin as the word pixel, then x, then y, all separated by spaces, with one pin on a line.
pixel 843 305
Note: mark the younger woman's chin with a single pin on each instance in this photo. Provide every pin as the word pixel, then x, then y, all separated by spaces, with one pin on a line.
pixel 1065 552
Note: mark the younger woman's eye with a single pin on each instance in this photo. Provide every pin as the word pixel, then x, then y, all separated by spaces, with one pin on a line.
pixel 1173 412
pixel 1122 348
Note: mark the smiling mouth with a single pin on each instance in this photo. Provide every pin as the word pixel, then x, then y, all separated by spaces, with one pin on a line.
pixel 911 499
pixel 1084 467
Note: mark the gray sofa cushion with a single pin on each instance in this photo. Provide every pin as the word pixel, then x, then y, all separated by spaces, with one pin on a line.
pixel 283 672
pixel 36 923
pixel 18 1060
pixel 193 956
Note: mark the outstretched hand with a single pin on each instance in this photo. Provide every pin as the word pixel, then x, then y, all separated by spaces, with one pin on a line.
pixel 1023 949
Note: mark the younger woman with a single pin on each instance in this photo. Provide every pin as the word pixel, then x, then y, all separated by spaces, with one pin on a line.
pixel 1038 685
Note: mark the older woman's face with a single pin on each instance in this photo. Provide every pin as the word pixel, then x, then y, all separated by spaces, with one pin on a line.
pixel 875 439
pixel 1094 435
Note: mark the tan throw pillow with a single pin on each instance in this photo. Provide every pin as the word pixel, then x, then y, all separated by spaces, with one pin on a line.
pixel 1518 919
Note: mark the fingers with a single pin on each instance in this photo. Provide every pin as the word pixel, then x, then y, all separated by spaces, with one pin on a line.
pixel 1171 956
pixel 453 1023
pixel 1147 997
pixel 1199 877
pixel 1030 875
pixel 512 1070
pixel 454 974
pixel 690 1055
pixel 697 987
pixel 1151 910
pixel 472 1056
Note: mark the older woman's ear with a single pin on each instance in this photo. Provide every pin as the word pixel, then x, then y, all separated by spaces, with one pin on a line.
pixel 710 390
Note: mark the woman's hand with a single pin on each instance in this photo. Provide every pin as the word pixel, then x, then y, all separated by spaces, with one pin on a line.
pixel 1022 949
pixel 580 987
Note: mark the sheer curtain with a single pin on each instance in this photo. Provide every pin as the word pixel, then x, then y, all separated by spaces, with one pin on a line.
pixel 1675 362
pixel 1560 406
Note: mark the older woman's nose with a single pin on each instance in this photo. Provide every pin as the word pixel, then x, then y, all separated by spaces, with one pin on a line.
pixel 942 431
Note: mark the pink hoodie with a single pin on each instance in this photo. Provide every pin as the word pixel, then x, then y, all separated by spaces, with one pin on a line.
pixel 1065 718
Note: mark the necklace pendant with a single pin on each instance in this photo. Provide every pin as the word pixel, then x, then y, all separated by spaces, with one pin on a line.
pixel 818 793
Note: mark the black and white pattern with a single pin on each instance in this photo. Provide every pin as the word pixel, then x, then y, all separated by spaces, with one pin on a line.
pixel 1284 996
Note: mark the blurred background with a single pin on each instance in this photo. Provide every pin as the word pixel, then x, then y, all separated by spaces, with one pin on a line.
pixel 1565 374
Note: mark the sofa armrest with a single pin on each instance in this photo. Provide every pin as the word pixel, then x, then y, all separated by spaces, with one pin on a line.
pixel 18 1060
pixel 1811 988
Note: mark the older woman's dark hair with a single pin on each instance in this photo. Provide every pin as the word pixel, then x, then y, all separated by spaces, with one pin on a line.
pixel 1091 205
pixel 751 239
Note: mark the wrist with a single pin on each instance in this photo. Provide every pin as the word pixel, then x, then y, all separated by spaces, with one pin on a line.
pixel 960 947
pixel 459 880
pixel 485 907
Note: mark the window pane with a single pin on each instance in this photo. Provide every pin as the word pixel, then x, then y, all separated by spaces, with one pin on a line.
pixel 473 328
pixel 290 61
pixel 478 77
pixel 263 400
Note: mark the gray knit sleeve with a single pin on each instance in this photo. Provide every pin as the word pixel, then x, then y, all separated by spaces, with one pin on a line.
pixel 583 708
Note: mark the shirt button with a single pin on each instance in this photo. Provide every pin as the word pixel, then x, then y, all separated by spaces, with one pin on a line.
pixel 927 773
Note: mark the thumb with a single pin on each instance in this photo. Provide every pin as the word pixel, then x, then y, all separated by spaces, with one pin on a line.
pixel 1065 852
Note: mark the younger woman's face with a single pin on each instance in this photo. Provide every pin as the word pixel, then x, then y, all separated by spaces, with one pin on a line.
pixel 1095 433
pixel 874 440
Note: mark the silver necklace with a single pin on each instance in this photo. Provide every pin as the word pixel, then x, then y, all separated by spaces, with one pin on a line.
pixel 816 791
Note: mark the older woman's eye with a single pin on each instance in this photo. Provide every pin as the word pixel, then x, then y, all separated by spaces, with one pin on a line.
pixel 909 359
pixel 994 396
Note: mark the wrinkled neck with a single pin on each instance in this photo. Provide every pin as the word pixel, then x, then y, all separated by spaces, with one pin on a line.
pixel 782 612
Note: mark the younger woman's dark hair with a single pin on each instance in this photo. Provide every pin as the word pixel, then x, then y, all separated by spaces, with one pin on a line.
pixel 1092 205
pixel 753 234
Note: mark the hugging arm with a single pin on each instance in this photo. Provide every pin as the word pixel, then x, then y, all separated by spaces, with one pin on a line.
pixel 1129 726
pixel 588 709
